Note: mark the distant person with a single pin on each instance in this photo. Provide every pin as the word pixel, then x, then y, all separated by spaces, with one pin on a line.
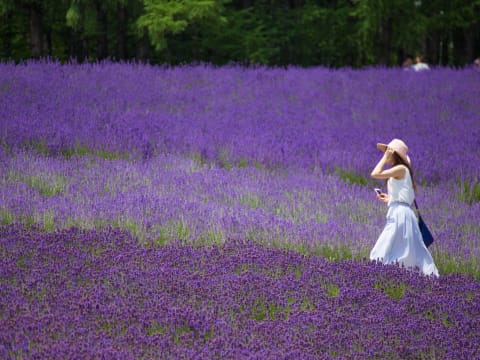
pixel 476 64
pixel 407 63
pixel 401 240
pixel 420 64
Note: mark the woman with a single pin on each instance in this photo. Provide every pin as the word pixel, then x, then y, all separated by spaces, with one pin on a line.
pixel 401 240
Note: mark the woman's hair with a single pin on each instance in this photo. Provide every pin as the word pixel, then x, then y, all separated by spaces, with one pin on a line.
pixel 397 160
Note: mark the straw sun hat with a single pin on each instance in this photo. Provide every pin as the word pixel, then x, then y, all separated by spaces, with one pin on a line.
pixel 398 146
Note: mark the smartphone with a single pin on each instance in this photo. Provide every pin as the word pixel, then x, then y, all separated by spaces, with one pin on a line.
pixel 378 191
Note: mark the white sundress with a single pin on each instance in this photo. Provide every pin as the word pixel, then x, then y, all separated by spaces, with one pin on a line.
pixel 401 240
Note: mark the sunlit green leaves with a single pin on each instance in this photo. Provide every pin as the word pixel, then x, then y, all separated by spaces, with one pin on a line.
pixel 162 17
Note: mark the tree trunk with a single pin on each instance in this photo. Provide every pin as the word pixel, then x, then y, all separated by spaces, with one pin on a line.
pixel 143 48
pixel 246 3
pixel 122 33
pixel 385 41
pixel 469 45
pixel 6 28
pixel 76 46
pixel 295 4
pixel 102 41
pixel 36 31
pixel 48 39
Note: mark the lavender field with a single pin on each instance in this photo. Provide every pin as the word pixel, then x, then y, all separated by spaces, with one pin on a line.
pixel 202 212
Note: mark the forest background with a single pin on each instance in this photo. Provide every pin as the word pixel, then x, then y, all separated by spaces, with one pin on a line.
pixel 341 33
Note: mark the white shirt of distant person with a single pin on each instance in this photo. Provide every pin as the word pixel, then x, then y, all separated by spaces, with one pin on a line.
pixel 420 65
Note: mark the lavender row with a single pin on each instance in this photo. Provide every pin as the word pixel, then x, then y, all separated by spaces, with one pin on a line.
pixel 177 198
pixel 91 294
pixel 309 118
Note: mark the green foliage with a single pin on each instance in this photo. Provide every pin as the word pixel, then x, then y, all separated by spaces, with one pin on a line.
pixel 470 191
pixel 333 252
pixel 443 317
pixel 21 263
pixel 332 290
pixel 223 159
pixel 251 200
pixel 6 216
pixel 448 263
pixel 77 150
pixel 327 35
pixel 156 328
pixel 182 231
pixel 392 289
pixel 162 238
pixel 162 17
pixel 210 237
pixel 384 28
pixel 350 177
pixel 249 36
pixel 261 310
pixel 73 16
pixel 307 305
pixel 341 33
pixel 47 185
pixel 242 163
pixel 28 220
pixel 48 220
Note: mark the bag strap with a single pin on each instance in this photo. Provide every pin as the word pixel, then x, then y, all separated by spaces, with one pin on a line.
pixel 416 206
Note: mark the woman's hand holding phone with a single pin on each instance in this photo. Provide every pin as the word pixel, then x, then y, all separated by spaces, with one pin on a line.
pixel 380 195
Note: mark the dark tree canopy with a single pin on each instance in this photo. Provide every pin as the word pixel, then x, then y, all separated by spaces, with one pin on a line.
pixel 274 32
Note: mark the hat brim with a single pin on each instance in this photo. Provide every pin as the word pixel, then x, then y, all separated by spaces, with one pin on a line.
pixel 383 148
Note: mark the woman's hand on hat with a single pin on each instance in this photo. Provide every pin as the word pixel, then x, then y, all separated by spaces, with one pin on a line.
pixel 389 153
